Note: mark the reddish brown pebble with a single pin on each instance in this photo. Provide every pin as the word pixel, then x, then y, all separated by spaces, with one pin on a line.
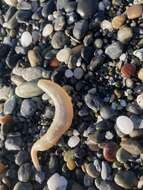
pixel 135 11
pixel 128 70
pixel 109 151
pixel 5 119
pixel 54 63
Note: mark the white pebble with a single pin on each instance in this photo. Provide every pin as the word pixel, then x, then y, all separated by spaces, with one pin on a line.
pixel 140 100
pixel 68 73
pixel 26 39
pixel 73 141
pixel 123 57
pixel 125 124
pixel 109 135
pixel 57 182
pixel 75 132
pixel 47 30
pixel 106 25
pixel 63 55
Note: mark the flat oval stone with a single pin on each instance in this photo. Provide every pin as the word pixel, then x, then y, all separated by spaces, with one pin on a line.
pixel 86 8
pixel 28 90
pixel 132 146
pixel 124 124
pixel 59 39
pixel 47 30
pixel 123 156
pixel 64 54
pixel 32 73
pixel 135 11
pixel 126 179
pixel 26 39
pixel 24 172
pixel 23 186
pixel 23 16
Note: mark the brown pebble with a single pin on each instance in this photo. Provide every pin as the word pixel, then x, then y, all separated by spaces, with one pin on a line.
pixel 128 70
pixel 140 74
pixel 135 11
pixel 6 119
pixel 3 186
pixel 109 151
pixel 54 63
pixel 3 167
pixel 118 21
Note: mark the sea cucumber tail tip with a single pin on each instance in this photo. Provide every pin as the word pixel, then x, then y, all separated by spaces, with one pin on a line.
pixel 34 156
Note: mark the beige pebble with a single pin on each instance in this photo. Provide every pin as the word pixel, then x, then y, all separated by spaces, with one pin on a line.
pixel 71 164
pixel 17 80
pixel 11 2
pixel 140 74
pixel 68 155
pixel 135 11
pixel 124 34
pixel 63 55
pixel 140 183
pixel 118 21
pixel 140 100
pixel 48 30
pixel 33 57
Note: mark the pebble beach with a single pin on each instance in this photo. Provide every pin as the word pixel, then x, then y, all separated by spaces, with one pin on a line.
pixel 91 52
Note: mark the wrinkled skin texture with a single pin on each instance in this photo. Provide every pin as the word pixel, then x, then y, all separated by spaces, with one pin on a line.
pixel 61 122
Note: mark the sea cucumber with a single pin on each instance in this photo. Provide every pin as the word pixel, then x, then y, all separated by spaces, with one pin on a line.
pixel 61 122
